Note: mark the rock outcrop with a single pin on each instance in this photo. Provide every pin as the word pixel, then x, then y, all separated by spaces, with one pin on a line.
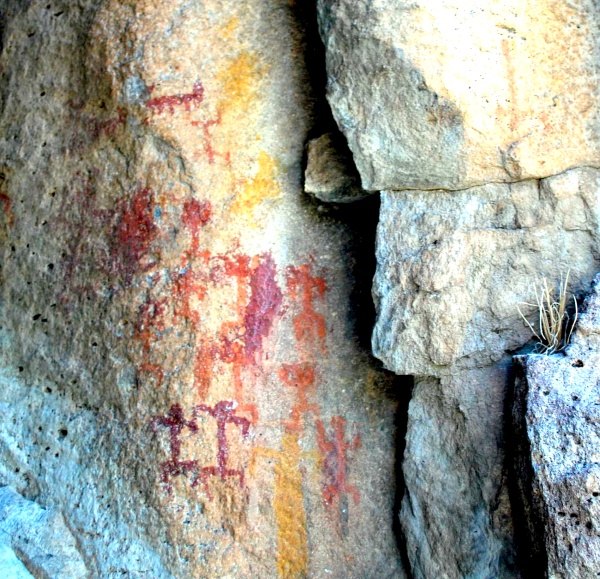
pixel 478 124
pixel 181 375
pixel 557 423
pixel 449 96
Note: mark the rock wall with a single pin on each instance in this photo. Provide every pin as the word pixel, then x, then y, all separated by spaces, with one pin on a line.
pixel 555 417
pixel 478 124
pixel 185 389
pixel 182 384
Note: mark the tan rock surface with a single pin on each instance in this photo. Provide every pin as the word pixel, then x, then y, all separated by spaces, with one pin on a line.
pixel 181 379
pixel 455 94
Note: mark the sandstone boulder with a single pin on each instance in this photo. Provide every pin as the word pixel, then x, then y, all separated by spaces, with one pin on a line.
pixel 181 375
pixel 452 269
pixel 449 95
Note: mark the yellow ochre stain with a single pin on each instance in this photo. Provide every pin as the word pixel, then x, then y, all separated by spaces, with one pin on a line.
pixel 239 84
pixel 229 28
pixel 292 545
pixel 262 186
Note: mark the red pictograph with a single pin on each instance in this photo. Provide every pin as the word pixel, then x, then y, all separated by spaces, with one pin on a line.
pixel 224 413
pixel 175 422
pixel 170 102
pixel 196 214
pixel 209 150
pixel 309 326
pixel 335 470
pixel 301 377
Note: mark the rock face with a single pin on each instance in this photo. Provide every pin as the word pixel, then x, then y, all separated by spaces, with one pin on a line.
pixel 39 537
pixel 330 173
pixel 480 127
pixel 450 95
pixel 557 421
pixel 181 378
pixel 452 267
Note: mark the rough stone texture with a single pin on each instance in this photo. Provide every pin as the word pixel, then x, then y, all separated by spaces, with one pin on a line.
pixel 456 515
pixel 330 173
pixel 449 95
pixel 453 266
pixel 40 537
pixel 181 378
pixel 452 269
pixel 557 419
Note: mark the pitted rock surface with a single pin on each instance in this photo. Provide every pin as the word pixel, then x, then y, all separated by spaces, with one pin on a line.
pixel 181 377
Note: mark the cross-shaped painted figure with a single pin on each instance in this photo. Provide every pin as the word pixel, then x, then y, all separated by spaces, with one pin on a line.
pixel 223 413
pixel 335 451
pixel 175 422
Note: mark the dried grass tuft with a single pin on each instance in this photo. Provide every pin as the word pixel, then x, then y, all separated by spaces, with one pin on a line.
pixel 555 326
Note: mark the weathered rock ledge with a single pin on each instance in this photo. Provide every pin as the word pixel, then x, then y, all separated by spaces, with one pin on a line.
pixel 556 417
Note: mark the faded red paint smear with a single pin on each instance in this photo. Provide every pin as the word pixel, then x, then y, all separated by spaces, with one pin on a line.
pixel 301 377
pixel 170 102
pixel 108 127
pixel 187 285
pixel 263 306
pixel 135 232
pixel 150 321
pixel 196 214
pixel 309 326
pixel 335 468
pixel 7 207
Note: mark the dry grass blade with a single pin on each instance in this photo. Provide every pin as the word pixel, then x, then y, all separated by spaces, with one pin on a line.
pixel 554 324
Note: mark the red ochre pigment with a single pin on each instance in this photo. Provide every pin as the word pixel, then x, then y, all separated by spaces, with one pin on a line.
pixel 170 102
pixel 335 450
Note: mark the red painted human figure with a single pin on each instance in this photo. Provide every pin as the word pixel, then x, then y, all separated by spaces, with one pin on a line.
pixel 175 422
pixel 335 451
pixel 309 326
pixel 224 413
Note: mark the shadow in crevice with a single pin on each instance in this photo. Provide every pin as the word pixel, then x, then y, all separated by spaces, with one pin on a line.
pixel 403 389
pixel 526 505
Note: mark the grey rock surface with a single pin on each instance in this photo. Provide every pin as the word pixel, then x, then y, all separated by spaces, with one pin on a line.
pixel 452 267
pixel 330 174
pixel 456 516
pixel 450 95
pixel 557 419
pixel 40 537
